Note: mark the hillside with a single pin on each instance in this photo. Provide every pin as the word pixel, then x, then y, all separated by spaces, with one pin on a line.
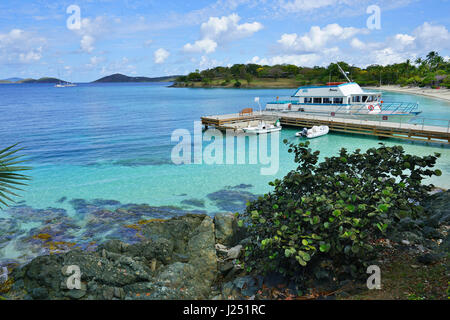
pixel 10 80
pixel 430 71
pixel 123 78
pixel 41 80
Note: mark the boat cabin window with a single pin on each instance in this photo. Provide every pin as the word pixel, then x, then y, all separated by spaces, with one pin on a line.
pixel 326 100
pixel 317 100
pixel 364 98
pixel 356 99
pixel 338 100
pixel 308 100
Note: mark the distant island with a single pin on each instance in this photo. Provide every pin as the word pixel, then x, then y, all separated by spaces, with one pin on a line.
pixel 431 71
pixel 108 79
pixel 123 78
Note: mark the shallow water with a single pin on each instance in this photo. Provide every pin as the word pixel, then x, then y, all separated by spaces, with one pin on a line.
pixel 113 142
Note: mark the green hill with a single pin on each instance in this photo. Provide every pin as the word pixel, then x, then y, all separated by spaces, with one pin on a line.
pixel 123 78
pixel 41 80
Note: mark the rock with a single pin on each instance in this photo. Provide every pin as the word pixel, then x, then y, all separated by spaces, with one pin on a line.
pixel 411 237
pixel 77 293
pixel 226 228
pixel 194 203
pixel 429 258
pixel 226 266
pixel 39 293
pixel 177 260
pixel 234 252
pixel 406 242
pixel 407 224
pixel 437 205
pixel 430 233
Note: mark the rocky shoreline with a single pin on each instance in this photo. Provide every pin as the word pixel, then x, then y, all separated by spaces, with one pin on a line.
pixel 194 256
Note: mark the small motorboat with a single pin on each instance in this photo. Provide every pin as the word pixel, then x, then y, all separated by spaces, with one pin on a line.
pixel 263 127
pixel 314 132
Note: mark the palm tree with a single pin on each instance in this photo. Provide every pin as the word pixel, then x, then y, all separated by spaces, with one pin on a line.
pixel 10 178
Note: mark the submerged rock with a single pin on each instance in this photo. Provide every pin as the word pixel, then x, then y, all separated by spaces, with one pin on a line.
pixel 231 200
pixel 151 269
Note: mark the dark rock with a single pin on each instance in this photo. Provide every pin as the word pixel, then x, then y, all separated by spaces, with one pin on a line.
pixel 226 228
pixel 407 224
pixel 184 245
pixel 231 200
pixel 39 293
pixel 194 203
pixel 429 258
pixel 431 233
pixel 61 200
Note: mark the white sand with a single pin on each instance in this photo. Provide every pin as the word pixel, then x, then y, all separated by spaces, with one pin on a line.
pixel 441 93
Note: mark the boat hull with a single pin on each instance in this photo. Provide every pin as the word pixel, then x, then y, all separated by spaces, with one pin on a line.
pixel 261 131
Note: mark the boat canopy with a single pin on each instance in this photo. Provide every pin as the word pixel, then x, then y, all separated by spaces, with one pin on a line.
pixel 332 90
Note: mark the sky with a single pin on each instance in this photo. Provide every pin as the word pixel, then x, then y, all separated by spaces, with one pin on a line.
pixel 81 41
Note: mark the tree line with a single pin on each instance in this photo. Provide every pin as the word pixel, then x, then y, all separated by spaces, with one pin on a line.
pixel 432 70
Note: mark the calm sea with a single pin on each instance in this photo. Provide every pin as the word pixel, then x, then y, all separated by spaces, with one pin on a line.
pixel 112 143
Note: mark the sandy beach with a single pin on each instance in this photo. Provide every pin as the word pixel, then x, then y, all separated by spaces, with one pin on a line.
pixel 441 93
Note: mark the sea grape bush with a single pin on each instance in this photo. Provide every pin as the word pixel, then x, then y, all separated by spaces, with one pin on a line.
pixel 322 218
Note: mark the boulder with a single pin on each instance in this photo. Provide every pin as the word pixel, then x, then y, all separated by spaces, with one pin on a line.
pixel 176 261
pixel 226 228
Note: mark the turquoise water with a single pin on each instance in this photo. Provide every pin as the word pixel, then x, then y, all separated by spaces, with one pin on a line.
pixel 113 142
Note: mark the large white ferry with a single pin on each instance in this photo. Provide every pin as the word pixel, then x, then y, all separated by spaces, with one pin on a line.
pixel 344 99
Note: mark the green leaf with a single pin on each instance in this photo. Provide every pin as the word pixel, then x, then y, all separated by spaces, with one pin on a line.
pixel 324 247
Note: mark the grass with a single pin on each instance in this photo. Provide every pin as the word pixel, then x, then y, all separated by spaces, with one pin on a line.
pixel 403 278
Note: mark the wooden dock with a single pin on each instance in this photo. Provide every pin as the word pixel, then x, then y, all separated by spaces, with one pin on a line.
pixel 379 128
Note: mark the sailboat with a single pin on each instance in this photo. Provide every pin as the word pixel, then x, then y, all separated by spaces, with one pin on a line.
pixel 262 126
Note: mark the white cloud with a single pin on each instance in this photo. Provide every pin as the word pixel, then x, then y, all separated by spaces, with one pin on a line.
pixel 357 44
pixel 317 38
pixel 19 46
pixel 161 55
pixel 310 59
pixel 205 45
pixel 94 61
pixel 217 31
pixel 432 37
pixel 398 48
pixel 90 30
pixel 119 66
pixel 305 5
pixel 87 43
pixel 206 63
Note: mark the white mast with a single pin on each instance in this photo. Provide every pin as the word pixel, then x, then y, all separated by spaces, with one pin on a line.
pixel 344 73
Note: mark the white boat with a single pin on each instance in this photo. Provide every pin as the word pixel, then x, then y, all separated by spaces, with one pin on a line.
pixel 263 127
pixel 66 84
pixel 317 131
pixel 345 100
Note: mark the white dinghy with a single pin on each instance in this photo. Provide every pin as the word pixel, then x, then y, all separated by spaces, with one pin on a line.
pixel 314 132
pixel 263 127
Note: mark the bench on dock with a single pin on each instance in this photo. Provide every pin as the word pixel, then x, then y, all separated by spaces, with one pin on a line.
pixel 246 111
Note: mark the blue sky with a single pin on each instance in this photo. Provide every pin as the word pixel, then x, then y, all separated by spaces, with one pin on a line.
pixel 155 38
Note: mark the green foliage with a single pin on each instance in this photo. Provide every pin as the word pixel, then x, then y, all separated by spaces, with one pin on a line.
pixel 10 179
pixel 322 218
pixel 422 73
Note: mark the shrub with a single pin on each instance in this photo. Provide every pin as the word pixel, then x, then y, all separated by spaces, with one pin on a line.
pixel 321 220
